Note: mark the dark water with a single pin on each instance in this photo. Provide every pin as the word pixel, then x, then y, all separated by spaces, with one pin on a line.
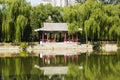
pixel 95 67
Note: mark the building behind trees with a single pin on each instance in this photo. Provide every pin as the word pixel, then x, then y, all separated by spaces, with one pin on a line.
pixel 60 3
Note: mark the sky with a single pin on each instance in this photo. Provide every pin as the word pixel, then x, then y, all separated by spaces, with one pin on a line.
pixel 34 2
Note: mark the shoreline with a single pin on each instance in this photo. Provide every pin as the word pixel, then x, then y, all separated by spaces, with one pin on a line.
pixel 37 48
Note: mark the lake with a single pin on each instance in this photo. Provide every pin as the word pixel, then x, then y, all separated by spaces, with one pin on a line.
pixel 78 66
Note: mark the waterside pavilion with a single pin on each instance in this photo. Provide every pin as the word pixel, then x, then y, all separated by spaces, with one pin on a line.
pixel 56 32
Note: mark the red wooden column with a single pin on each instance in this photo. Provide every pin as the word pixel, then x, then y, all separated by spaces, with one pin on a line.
pixel 54 37
pixel 76 37
pixel 47 37
pixel 42 36
pixel 64 37
pixel 50 36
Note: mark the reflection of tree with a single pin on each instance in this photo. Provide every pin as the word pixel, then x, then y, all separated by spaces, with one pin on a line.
pixel 19 68
pixel 96 68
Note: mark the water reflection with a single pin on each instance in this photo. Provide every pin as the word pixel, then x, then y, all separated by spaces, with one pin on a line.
pixel 95 67
pixel 59 59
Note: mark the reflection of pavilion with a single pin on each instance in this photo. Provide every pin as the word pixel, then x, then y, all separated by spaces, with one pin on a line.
pixel 46 59
pixel 61 70
pixel 52 55
pixel 52 32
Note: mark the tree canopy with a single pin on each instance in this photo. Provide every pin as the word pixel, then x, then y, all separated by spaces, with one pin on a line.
pixel 99 20
pixel 11 19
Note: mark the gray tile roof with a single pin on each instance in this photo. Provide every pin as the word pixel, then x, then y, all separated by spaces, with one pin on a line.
pixel 54 27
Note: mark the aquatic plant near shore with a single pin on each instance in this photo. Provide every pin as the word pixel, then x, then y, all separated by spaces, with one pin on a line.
pixel 97 47
pixel 23 46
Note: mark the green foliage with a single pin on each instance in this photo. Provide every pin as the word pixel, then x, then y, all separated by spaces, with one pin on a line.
pixel 97 47
pixel 20 27
pixel 23 46
pixel 0 23
pixel 15 15
pixel 73 27
pixel 71 16
pixel 99 20
pixel 44 13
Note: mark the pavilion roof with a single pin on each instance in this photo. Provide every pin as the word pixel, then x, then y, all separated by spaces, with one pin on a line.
pixel 54 27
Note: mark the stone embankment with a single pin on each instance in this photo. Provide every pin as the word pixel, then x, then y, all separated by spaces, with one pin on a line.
pixel 9 49
pixel 53 47
pixel 60 47
pixel 110 47
pixel 48 47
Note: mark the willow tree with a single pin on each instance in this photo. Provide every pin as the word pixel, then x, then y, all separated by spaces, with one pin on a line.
pixel 99 21
pixel 0 24
pixel 73 27
pixel 11 10
pixel 70 16
pixel 85 21
pixel 113 21
pixel 6 25
pixel 21 23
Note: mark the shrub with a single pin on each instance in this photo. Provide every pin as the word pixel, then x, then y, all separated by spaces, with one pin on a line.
pixel 23 46
pixel 96 46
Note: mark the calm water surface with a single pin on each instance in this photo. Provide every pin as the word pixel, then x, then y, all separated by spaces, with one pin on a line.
pixel 95 67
